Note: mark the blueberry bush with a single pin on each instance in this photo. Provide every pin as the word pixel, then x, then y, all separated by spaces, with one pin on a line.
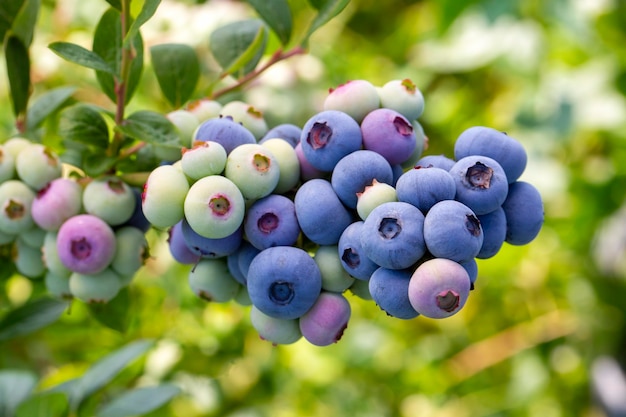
pixel 330 207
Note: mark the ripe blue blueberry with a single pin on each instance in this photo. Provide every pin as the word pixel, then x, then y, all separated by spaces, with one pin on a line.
pixel 481 183
pixel 452 231
pixel 328 136
pixel 425 186
pixel 494 231
pixel 439 288
pixel 211 247
pixel 284 282
pixel 357 170
pixel 350 251
pixel 246 253
pixel 389 289
pixel 225 131
pixel 321 215
pixel 179 249
pixel 436 161
pixel 272 221
pixel 393 235
pixel 523 209
pixel 507 151
pixel 286 131
pixel 390 134
pixel 326 321
pixel 307 171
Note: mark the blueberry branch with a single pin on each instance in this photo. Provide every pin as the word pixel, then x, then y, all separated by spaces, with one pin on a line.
pixel 276 57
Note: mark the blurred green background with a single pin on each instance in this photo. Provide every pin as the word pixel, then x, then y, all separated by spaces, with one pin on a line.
pixel 550 73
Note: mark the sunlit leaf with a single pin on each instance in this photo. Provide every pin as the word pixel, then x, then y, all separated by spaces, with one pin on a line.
pixel 50 404
pixel 81 56
pixel 150 127
pixel 147 11
pixel 83 123
pixel 15 387
pixel 103 371
pixel 30 317
pixel 326 13
pixel 239 46
pixel 277 15
pixel 139 401
pixel 18 71
pixel 107 43
pixel 177 69
pixel 46 104
pixel 24 23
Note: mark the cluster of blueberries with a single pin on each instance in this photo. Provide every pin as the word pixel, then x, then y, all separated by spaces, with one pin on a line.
pixel 85 237
pixel 288 219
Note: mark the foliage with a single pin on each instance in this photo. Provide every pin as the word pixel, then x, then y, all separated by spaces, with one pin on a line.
pixel 549 73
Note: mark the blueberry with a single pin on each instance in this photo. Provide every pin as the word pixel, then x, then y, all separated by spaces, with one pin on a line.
pixel 452 231
pixel 439 288
pixel 33 237
pixel 51 258
pixel 494 231
pixel 275 330
pixel 203 159
pixel 15 145
pixel 86 244
pixel 480 183
pixel 247 253
pixel 356 98
pixel 288 164
pixel 28 261
pixel 357 170
pixel 334 277
pixel 253 169
pixel 321 215
pixel 210 280
pixel 109 198
pixel 350 251
pixel 373 196
pixel 58 286
pixel 284 282
pixel 225 131
pixel 214 207
pixel 523 209
pixel 272 221
pixel 328 136
pixel 97 288
pixel 211 247
pixel 16 199
pixel 421 144
pixel 138 218
pixel 402 96
pixel 250 117
pixel 389 289
pixel 185 123
pixel 507 151
pixel 205 109
pixel 360 288
pixel 179 249
pixel 471 266
pixel 131 251
pixel 307 171
pixel 164 195
pixel 390 134
pixel 37 165
pixel 436 161
pixel 326 321
pixel 393 235
pixel 7 165
pixel 286 131
pixel 425 186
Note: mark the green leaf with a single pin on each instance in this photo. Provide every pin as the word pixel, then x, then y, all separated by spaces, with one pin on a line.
pixel 139 401
pixel 151 127
pixel 277 15
pixel 177 69
pixel 83 123
pixel 117 4
pixel 317 4
pixel 116 314
pixel 107 43
pixel 103 371
pixel 49 404
pixel 95 163
pixel 81 56
pixel 46 104
pixel 24 23
pixel 18 71
pixel 15 387
pixel 238 47
pixel 30 317
pixel 326 13
pixel 147 11
pixel 8 12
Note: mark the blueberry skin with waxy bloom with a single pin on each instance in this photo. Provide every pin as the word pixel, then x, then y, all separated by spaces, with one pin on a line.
pixel 393 235
pixel 353 259
pixel 389 289
pixel 326 321
pixel 524 213
pixel 272 221
pixel 284 282
pixel 390 134
pixel 423 187
pixel 225 131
